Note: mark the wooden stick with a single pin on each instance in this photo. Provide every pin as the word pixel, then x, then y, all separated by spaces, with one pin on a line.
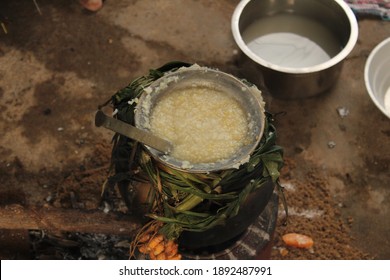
pixel 16 216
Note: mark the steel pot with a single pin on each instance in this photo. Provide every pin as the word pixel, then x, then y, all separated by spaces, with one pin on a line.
pixel 289 81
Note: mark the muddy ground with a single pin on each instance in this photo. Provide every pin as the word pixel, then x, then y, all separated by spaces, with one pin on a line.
pixel 59 62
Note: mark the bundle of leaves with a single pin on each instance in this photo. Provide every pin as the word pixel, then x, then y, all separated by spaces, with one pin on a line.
pixel 179 200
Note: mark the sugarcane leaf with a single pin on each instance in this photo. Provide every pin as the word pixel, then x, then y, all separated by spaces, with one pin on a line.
pixel 272 164
pixel 204 195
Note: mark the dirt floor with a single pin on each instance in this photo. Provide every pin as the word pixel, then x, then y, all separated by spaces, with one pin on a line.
pixel 59 62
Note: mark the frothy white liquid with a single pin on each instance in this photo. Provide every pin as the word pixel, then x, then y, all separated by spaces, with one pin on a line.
pixel 291 41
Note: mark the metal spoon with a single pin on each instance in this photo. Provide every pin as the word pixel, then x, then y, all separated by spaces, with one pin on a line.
pixel 133 132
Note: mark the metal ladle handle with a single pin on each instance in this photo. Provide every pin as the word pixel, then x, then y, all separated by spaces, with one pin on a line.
pixel 133 132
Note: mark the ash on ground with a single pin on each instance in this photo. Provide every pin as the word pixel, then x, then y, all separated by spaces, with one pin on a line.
pixel 78 246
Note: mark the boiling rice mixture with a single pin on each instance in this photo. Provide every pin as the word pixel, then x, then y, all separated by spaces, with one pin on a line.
pixel 204 125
